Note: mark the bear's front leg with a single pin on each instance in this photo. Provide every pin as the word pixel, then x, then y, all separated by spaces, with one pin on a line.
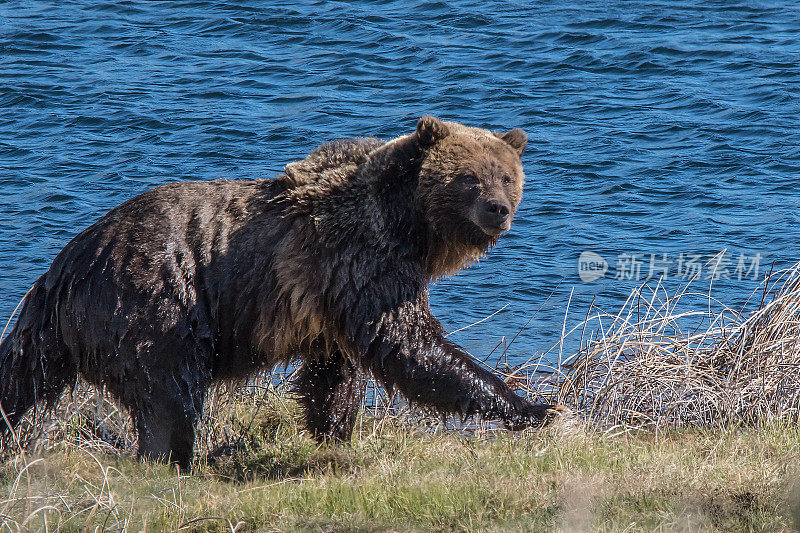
pixel 405 348
pixel 330 390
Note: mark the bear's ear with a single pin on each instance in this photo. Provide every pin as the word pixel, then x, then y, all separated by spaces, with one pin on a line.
pixel 430 130
pixel 515 138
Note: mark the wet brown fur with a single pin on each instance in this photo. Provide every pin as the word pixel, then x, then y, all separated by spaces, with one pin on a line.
pixel 193 282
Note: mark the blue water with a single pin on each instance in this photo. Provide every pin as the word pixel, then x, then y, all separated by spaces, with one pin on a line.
pixel 655 128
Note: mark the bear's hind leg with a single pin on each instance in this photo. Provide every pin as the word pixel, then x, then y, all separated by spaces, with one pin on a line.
pixel 330 391
pixel 167 399
pixel 166 430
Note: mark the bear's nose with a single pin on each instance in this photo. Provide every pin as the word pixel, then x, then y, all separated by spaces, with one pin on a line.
pixel 498 210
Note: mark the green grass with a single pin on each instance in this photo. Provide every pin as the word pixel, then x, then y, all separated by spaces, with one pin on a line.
pixel 394 477
pixel 735 372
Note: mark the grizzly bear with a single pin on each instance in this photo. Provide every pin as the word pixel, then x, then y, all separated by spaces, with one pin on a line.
pixel 327 265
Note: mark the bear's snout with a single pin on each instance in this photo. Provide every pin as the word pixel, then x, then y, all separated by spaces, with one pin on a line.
pixel 494 217
pixel 499 210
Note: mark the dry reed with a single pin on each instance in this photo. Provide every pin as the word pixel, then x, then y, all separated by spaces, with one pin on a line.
pixel 653 364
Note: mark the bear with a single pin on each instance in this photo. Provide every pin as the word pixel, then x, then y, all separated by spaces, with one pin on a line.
pixel 327 265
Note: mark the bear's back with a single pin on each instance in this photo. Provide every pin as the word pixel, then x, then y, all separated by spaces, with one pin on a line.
pixel 331 161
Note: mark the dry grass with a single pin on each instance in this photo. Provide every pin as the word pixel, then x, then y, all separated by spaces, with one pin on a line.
pixel 396 477
pixel 653 364
pixel 718 386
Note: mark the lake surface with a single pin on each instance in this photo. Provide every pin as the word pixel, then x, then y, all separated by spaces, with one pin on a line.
pixel 656 129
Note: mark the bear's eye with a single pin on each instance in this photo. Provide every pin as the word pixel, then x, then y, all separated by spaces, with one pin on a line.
pixel 470 179
pixel 506 180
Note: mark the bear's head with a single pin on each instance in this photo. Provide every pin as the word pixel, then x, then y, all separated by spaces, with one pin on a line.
pixel 470 184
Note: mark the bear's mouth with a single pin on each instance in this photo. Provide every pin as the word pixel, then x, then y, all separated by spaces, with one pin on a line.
pixel 483 235
pixel 495 230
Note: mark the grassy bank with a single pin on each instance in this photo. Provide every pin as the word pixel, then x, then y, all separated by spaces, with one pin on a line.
pixel 400 477
pixel 683 421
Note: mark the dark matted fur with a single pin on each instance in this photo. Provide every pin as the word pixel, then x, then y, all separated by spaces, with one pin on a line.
pixel 192 282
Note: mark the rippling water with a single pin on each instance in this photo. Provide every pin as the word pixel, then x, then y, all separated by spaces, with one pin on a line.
pixel 655 128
